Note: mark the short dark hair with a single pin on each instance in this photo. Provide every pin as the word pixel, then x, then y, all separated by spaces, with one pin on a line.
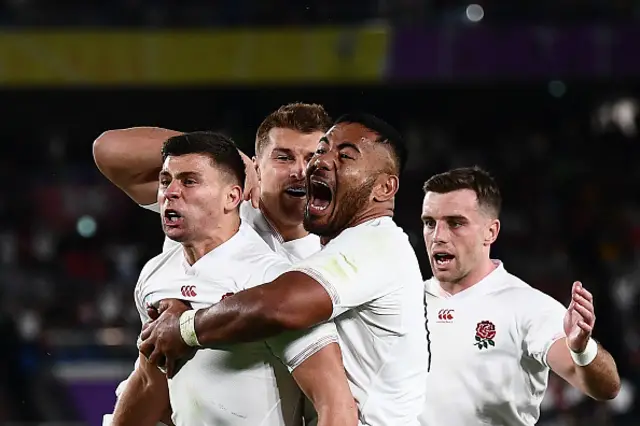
pixel 304 118
pixel 221 149
pixel 473 178
pixel 387 135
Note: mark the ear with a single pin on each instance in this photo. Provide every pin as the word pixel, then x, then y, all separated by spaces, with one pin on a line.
pixel 256 165
pixel 234 197
pixel 385 188
pixel 491 232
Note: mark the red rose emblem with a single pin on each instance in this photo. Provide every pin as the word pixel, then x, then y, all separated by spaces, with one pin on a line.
pixel 485 333
pixel 486 330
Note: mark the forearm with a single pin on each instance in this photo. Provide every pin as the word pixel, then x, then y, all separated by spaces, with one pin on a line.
pixel 145 399
pixel 294 301
pixel 131 159
pixel 599 379
pixel 241 318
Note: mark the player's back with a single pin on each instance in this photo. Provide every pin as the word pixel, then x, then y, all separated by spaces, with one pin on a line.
pixel 489 346
pixel 372 276
pixel 238 384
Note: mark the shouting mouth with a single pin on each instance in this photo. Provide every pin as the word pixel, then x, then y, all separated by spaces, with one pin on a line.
pixel 172 218
pixel 320 197
pixel 443 258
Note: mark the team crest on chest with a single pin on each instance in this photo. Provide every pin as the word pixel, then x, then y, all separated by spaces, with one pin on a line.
pixel 485 333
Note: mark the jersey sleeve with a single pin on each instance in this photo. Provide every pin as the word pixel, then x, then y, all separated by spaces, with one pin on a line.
pixel 295 347
pixel 354 270
pixel 542 324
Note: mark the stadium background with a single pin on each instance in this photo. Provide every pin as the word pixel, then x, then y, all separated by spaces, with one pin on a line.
pixel 543 95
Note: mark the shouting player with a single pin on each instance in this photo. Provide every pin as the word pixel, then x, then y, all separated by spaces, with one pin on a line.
pixel 366 277
pixel 492 337
pixel 285 141
pixel 217 255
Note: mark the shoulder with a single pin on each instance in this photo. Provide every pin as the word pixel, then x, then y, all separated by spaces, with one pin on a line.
pixel 257 259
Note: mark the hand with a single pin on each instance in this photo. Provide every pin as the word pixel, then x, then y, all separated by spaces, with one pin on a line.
pixel 580 318
pixel 162 343
pixel 252 182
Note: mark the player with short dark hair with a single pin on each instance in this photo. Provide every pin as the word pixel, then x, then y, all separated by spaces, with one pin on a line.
pixel 492 337
pixel 366 278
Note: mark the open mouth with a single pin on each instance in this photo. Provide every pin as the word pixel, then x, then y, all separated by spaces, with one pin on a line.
pixel 320 196
pixel 172 217
pixel 298 191
pixel 442 258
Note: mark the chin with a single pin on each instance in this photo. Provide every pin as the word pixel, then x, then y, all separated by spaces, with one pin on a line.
pixel 317 225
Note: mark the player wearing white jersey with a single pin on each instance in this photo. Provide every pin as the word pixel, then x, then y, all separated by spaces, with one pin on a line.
pixel 493 338
pixel 366 278
pixel 285 141
pixel 200 191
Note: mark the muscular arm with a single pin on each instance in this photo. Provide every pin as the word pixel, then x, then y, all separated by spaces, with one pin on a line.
pixel 131 159
pixel 322 378
pixel 294 301
pixel 145 399
pixel 599 379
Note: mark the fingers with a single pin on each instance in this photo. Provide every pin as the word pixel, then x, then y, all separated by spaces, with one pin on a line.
pixel 152 312
pixel 155 357
pixel 146 349
pixel 579 289
pixel 587 315
pixel 585 327
pixel 170 366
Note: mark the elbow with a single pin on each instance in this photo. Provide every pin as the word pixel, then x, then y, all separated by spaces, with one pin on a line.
pixel 612 391
pixel 607 392
pixel 105 150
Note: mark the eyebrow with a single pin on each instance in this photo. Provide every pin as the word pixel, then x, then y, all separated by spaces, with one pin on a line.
pixel 181 175
pixel 454 217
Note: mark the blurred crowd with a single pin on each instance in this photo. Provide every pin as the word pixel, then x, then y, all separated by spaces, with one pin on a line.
pixel 71 245
pixel 152 13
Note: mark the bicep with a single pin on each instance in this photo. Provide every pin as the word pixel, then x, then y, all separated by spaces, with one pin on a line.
pixel 295 301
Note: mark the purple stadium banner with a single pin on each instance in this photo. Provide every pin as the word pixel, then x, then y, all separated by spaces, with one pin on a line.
pixel 516 53
pixel 93 399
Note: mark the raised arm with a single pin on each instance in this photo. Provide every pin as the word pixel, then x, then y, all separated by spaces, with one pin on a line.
pixel 131 159
pixel 577 358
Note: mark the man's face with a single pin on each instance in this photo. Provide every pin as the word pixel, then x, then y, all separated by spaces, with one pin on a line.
pixel 282 169
pixel 193 195
pixel 341 176
pixel 456 231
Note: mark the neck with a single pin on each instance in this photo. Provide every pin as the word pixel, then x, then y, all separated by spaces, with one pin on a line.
pixel 195 250
pixel 358 220
pixel 289 231
pixel 471 279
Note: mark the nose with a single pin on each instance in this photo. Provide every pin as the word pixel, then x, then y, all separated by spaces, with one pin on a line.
pixel 441 233
pixel 299 169
pixel 322 161
pixel 173 190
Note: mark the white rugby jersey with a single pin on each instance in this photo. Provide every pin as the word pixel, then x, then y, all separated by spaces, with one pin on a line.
pixel 294 250
pixel 488 347
pixel 242 384
pixel 372 276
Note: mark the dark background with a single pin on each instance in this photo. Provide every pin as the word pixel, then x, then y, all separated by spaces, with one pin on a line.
pixel 561 142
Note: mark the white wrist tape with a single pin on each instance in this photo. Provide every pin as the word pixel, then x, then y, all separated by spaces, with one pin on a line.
pixel 188 328
pixel 587 356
